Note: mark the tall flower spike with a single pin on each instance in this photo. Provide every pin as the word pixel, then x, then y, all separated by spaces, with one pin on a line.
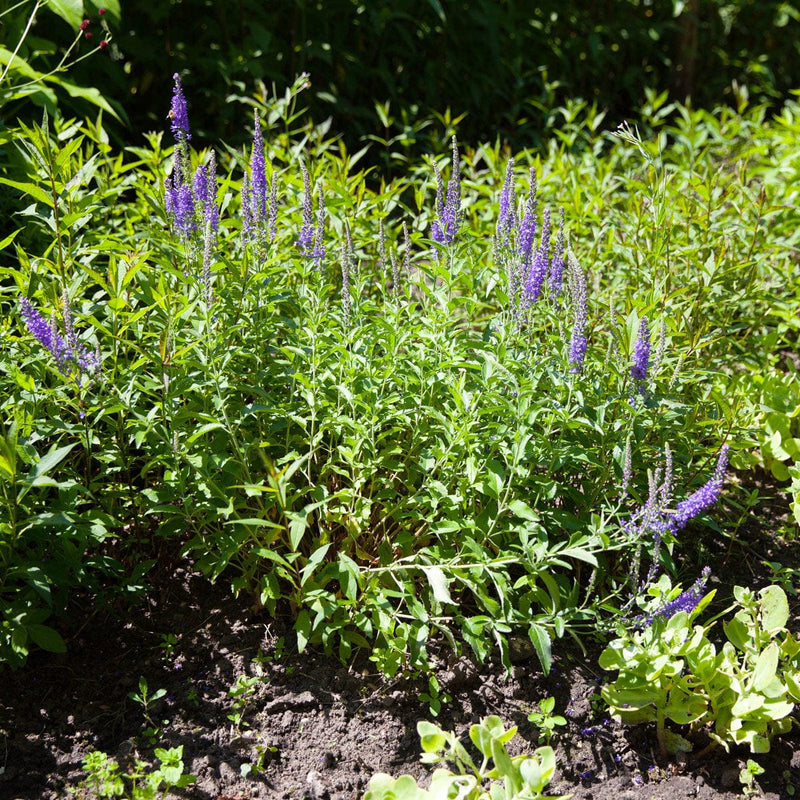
pixel 306 237
pixel 178 115
pixel 381 246
pixel 578 341
pixel 210 224
pixel 318 253
pixel 556 275
pixel 703 498
pixel 641 352
pixel 537 269
pixel 407 252
pixel 272 219
pixel 258 175
pixel 507 220
pixel 245 210
pixel 627 469
pixel 347 259
pixel 445 228
pixel 666 485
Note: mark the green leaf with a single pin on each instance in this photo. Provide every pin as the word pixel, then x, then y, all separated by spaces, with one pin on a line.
pixel 71 11
pixel 302 627
pixel 432 738
pixel 774 608
pixel 31 189
pixel 47 638
pixel 542 644
pixel 765 668
pixel 438 583
pixel 314 560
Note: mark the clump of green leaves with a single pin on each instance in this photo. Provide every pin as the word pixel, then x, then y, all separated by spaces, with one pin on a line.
pixel 747 777
pixel 106 779
pixel 545 720
pixel 671 671
pixel 147 701
pixel 242 693
pixel 780 434
pixel 523 777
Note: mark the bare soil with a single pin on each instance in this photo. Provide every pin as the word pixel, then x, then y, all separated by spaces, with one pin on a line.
pixel 324 728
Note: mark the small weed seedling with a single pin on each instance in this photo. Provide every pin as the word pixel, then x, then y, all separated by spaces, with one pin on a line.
pixel 168 642
pixel 242 693
pixel 153 732
pixel 105 778
pixel 545 720
pixel 747 777
pixel 787 779
pixel 256 767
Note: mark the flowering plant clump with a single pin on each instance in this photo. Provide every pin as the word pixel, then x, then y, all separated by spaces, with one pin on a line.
pixel 387 441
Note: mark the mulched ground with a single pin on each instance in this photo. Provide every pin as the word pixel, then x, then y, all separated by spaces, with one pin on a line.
pixel 324 728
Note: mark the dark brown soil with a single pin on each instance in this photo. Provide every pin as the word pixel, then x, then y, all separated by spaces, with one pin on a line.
pixel 325 728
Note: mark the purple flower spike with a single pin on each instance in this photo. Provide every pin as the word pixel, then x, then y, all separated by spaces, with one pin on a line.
pixel 687 601
pixel 258 174
pixel 183 210
pixel 200 184
pixel 507 220
pixel 46 334
pixel 178 114
pixel 68 353
pixel 537 269
pixel 305 239
pixel 445 228
pixel 578 341
pixel 641 352
pixel 703 498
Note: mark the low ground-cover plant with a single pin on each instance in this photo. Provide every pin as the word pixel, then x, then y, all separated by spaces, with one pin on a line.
pixel 670 670
pixel 499 776
pixel 389 414
pixel 106 778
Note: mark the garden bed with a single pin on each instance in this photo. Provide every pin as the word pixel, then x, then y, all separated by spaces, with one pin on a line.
pixel 319 729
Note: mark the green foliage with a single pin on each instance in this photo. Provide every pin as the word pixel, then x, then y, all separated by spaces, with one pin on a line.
pixel 780 437
pixel 545 720
pixel 407 71
pixel 747 777
pixel 106 779
pixel 152 733
pixel 523 777
pixel 242 694
pixel 33 72
pixel 670 670
pixel 408 456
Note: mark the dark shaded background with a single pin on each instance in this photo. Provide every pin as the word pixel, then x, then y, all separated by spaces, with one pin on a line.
pixel 505 65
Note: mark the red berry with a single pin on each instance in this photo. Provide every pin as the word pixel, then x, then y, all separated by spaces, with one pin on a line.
pixel 85 24
pixel 103 44
pixel 101 11
pixel 87 35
